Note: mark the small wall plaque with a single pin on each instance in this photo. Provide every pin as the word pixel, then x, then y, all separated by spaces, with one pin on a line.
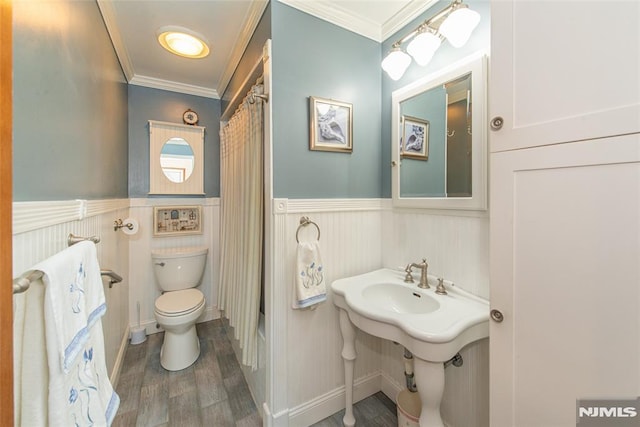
pixel 177 220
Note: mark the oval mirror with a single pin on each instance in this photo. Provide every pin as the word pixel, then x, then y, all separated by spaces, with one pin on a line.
pixel 177 159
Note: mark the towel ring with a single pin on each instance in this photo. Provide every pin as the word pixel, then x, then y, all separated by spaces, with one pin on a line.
pixel 304 221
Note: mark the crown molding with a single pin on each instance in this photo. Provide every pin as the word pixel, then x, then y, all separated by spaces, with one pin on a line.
pixel 407 14
pixel 109 17
pixel 250 24
pixel 155 83
pixel 334 13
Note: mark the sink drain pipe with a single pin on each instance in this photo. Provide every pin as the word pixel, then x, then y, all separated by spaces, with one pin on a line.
pixel 456 361
pixel 408 371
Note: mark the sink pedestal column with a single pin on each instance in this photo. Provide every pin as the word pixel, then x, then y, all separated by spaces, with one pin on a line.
pixel 429 378
pixel 349 357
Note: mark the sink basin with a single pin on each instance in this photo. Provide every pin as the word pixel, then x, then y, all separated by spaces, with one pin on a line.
pixel 399 299
pixel 433 327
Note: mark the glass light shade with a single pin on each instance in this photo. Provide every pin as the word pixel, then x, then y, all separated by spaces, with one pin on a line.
pixel 182 43
pixel 423 46
pixel 458 26
pixel 396 63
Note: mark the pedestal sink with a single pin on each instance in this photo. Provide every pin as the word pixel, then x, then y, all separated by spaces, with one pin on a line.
pixel 433 327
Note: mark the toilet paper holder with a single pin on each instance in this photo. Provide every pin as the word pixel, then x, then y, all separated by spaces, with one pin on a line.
pixel 118 224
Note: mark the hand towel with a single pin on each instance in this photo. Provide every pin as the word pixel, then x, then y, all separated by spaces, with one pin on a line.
pixel 80 393
pixel 310 287
pixel 74 299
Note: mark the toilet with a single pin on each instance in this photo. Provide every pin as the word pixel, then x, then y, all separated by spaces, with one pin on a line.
pixel 178 272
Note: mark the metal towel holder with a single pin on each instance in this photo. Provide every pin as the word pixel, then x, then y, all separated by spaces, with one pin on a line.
pixel 304 221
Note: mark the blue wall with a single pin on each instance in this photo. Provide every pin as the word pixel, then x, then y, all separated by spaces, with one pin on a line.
pixel 69 102
pixel 154 104
pixel 312 57
pixel 446 55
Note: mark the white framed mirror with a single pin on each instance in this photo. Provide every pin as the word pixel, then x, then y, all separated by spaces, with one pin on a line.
pixel 176 164
pixel 439 139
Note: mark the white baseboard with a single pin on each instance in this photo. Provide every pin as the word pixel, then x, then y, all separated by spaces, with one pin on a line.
pixel 117 366
pixel 329 403
pixel 389 386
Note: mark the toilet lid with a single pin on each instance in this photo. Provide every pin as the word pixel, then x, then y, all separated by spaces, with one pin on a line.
pixel 179 302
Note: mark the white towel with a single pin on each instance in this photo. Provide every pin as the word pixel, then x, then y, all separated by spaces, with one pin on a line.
pixel 31 372
pixel 74 298
pixel 79 389
pixel 310 287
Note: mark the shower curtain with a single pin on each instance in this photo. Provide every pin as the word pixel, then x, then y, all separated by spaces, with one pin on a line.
pixel 241 221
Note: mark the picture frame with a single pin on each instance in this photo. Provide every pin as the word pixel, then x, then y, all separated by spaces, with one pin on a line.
pixel 414 143
pixel 330 125
pixel 177 220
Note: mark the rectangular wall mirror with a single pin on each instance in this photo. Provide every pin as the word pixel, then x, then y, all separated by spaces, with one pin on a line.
pixel 439 147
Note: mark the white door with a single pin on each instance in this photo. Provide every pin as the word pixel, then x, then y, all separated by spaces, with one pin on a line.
pixel 564 207
pixel 563 71
pixel 565 274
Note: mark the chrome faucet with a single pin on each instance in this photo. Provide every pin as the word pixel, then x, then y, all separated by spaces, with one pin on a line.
pixel 408 278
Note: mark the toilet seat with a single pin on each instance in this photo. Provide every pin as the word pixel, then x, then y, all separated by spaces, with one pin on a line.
pixel 179 303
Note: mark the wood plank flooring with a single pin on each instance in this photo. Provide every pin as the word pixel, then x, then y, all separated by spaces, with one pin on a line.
pixel 211 392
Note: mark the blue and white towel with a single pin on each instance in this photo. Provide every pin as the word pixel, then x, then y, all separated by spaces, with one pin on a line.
pixel 74 298
pixel 80 392
pixel 310 287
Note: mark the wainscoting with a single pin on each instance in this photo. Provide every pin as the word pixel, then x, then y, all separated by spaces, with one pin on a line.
pixel 301 376
pixel 359 235
pixel 41 229
pixel 143 285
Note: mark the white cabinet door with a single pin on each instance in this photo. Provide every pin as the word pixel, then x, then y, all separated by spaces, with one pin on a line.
pixel 563 71
pixel 565 274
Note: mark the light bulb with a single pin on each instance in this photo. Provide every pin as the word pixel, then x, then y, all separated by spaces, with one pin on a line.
pixel 423 46
pixel 396 63
pixel 458 26
pixel 183 42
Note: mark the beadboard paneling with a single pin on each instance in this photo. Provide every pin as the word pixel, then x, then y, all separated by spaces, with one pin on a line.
pixel 350 244
pixel 359 236
pixel 143 284
pixel 457 248
pixel 44 240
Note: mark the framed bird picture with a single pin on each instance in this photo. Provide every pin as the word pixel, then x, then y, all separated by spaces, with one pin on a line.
pixel 331 125
pixel 415 138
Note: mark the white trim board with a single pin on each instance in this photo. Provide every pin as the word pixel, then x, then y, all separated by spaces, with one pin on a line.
pixel 28 216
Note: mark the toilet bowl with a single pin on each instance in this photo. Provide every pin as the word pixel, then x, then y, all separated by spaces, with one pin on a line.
pixel 178 271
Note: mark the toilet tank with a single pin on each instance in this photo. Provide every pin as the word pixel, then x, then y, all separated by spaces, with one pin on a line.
pixel 179 268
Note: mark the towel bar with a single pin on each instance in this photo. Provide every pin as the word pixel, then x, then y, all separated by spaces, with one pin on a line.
pixel 22 284
pixel 113 277
pixel 73 239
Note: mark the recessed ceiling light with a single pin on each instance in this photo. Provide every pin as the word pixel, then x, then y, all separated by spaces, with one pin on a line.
pixel 183 42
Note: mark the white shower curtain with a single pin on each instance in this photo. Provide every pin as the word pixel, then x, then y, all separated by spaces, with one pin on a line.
pixel 241 221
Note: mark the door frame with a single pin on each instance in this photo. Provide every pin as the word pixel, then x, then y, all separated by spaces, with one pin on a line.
pixel 6 298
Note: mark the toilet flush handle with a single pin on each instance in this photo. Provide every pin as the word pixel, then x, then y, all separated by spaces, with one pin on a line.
pixel 161 264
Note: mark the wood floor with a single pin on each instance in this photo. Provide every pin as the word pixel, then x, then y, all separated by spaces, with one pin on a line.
pixel 211 392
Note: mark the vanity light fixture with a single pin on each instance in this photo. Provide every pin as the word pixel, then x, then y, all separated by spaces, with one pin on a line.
pixel 454 23
pixel 183 42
